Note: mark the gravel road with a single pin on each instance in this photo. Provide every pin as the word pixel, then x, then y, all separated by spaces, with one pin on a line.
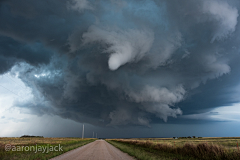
pixel 97 150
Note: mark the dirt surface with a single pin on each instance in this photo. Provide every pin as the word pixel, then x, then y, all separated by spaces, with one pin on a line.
pixel 97 150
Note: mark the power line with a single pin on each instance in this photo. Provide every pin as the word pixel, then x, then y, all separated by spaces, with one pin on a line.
pixel 16 82
pixel 11 91
pixel 23 97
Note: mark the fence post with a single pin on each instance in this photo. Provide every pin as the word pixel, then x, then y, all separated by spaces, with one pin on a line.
pixel 237 146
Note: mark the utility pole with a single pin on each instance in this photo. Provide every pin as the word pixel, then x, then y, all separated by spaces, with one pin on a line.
pixel 96 135
pixel 93 135
pixel 83 132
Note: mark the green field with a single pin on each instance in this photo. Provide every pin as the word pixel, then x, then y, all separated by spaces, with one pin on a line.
pixel 206 148
pixel 36 144
pixel 140 148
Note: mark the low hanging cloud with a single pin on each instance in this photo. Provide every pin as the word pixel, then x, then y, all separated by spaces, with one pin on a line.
pixel 124 46
pixel 110 64
pixel 162 95
pixel 225 15
pixel 79 5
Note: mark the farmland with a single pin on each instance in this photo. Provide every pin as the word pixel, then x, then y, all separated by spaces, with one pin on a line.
pixel 184 148
pixel 217 148
pixel 33 144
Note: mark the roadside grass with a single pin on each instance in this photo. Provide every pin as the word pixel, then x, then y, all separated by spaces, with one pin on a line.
pixel 229 143
pixel 67 144
pixel 204 148
pixel 145 153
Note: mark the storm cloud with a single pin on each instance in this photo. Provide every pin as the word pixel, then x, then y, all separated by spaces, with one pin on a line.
pixel 115 62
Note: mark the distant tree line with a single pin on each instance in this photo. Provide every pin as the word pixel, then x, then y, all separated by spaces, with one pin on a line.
pixel 186 137
pixel 28 136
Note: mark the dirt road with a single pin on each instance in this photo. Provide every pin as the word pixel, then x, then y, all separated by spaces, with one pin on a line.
pixel 97 150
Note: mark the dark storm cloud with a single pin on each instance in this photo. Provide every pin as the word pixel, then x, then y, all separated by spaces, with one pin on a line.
pixel 120 62
pixel 48 22
pixel 13 51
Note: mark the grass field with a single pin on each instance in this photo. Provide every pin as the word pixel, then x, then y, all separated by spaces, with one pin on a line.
pixel 67 144
pixel 187 148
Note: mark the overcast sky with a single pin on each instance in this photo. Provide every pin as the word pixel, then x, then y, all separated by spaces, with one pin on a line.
pixel 136 68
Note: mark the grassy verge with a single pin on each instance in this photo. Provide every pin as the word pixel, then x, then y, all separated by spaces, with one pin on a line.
pixel 145 153
pixel 66 144
pixel 229 143
pixel 202 151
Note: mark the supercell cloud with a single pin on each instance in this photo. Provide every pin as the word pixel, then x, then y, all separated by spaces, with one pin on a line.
pixel 116 62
